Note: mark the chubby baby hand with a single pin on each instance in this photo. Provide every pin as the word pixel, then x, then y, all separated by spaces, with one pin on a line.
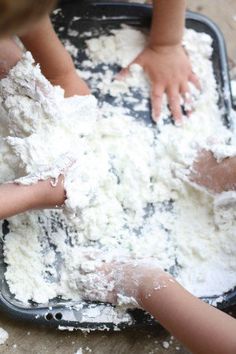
pixel 169 70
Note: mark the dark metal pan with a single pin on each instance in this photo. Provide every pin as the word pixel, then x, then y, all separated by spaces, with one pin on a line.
pixel 100 16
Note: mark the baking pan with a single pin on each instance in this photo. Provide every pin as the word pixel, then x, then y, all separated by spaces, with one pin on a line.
pixel 100 17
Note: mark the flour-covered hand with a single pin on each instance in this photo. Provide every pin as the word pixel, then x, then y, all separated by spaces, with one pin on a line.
pixel 169 70
pixel 118 280
pixel 215 176
pixel 71 83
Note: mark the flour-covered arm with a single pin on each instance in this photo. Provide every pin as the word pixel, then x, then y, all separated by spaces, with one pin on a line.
pixel 201 328
pixel 56 63
pixel 16 198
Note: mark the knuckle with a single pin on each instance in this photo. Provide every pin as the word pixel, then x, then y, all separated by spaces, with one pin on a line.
pixel 157 95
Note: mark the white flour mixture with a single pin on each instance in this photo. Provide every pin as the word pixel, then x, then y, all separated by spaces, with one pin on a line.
pixel 126 190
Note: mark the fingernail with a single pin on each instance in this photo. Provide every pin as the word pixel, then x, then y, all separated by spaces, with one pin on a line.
pixel 178 123
pixel 155 117
pixel 189 113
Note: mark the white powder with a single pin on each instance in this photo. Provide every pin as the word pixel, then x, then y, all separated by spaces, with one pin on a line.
pixel 120 48
pixel 120 187
pixel 73 33
pixel 79 351
pixel 233 88
pixel 165 345
pixel 70 47
pixel 3 336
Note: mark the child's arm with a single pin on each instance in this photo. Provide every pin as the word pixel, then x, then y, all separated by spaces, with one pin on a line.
pixel 200 327
pixel 10 54
pixel 16 198
pixel 164 59
pixel 55 61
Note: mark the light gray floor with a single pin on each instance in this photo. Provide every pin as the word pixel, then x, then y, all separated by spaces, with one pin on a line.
pixel 26 339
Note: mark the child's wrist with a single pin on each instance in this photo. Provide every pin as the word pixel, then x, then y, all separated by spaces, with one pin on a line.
pixel 164 47
pixel 58 194
pixel 155 281
pixel 48 194
pixel 161 41
pixel 140 279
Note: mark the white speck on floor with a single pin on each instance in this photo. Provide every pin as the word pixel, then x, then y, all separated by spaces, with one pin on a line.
pixel 165 345
pixel 3 336
pixel 79 351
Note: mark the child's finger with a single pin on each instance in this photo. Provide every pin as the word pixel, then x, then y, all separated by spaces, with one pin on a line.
pixel 174 103
pixel 185 92
pixel 184 89
pixel 194 79
pixel 156 99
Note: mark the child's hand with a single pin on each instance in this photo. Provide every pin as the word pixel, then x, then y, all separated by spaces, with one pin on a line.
pixel 217 177
pixel 169 70
pixel 71 83
pixel 109 281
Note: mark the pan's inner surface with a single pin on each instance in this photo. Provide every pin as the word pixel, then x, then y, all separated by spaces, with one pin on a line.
pixel 100 18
